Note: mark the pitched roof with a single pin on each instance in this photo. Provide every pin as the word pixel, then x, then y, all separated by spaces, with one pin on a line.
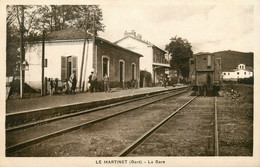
pixel 66 34
pixel 140 40
pixel 76 34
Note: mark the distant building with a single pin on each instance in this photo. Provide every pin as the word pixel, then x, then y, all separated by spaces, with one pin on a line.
pixel 154 60
pixel 239 73
pixel 63 52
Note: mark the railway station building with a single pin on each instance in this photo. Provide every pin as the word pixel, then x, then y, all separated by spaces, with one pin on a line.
pixel 63 56
pixel 154 60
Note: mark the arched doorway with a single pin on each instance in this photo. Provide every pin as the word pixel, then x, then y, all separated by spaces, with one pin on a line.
pixel 121 71
pixel 133 69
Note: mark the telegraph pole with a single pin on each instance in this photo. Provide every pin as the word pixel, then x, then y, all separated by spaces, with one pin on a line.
pixel 94 47
pixel 83 54
pixel 43 57
pixel 21 53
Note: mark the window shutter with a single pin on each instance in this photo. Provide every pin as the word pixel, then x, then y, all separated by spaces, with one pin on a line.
pixel 75 65
pixel 63 68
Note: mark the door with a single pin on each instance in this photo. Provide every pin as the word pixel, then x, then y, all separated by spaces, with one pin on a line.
pixel 121 71
pixel 69 71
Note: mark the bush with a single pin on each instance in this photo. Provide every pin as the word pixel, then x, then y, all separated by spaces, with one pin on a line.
pixel 112 84
pixel 246 81
pixel 148 78
pixel 115 84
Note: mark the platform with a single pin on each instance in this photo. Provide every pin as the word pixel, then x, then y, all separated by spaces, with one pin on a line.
pixel 24 109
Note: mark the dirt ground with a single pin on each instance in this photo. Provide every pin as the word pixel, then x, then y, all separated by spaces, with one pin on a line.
pixel 235 118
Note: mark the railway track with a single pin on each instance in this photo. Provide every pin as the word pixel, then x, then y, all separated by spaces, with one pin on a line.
pixel 23 136
pixel 137 143
pixel 40 122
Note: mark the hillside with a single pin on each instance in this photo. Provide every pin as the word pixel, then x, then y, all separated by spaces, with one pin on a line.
pixel 230 59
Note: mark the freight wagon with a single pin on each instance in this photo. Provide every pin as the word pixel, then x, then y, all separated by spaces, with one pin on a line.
pixel 205 74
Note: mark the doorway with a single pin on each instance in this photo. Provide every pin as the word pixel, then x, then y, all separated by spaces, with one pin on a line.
pixel 121 69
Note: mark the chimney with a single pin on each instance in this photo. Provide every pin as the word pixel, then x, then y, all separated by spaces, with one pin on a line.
pixel 133 33
pixel 139 36
pixel 126 33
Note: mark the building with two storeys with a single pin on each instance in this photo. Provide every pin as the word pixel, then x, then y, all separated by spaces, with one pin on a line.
pixel 154 60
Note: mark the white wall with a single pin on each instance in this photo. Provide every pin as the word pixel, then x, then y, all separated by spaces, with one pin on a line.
pixel 141 48
pixel 53 53
pixel 234 75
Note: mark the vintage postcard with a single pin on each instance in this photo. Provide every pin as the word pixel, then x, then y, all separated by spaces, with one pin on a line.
pixel 129 83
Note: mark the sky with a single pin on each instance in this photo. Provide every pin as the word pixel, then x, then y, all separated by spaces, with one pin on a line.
pixel 209 27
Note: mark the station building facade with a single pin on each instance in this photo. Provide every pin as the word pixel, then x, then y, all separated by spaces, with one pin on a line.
pixel 154 60
pixel 63 54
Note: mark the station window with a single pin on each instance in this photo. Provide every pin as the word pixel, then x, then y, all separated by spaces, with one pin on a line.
pixel 224 73
pixel 237 73
pixel 105 65
pixel 245 73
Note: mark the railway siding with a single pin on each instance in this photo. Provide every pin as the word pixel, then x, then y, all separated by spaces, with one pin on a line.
pixel 189 133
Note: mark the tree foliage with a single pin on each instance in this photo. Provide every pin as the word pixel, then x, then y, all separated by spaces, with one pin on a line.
pixel 180 52
pixel 49 18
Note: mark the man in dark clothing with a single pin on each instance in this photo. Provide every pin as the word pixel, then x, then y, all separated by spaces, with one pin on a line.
pixel 90 82
pixel 94 82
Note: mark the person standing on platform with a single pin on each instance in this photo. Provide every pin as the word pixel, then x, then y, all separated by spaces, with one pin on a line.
pixel 51 86
pixel 90 82
pixel 73 81
pixel 164 81
pixel 106 83
pixel 94 82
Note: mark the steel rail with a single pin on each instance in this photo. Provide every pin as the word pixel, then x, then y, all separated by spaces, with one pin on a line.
pixel 85 111
pixel 30 142
pixel 141 139
pixel 216 129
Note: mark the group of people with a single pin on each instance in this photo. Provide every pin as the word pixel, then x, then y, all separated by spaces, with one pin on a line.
pixel 92 79
pixel 70 86
pixel 163 80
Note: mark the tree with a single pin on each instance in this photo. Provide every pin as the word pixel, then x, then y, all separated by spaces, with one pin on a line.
pixel 180 51
pixel 45 17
